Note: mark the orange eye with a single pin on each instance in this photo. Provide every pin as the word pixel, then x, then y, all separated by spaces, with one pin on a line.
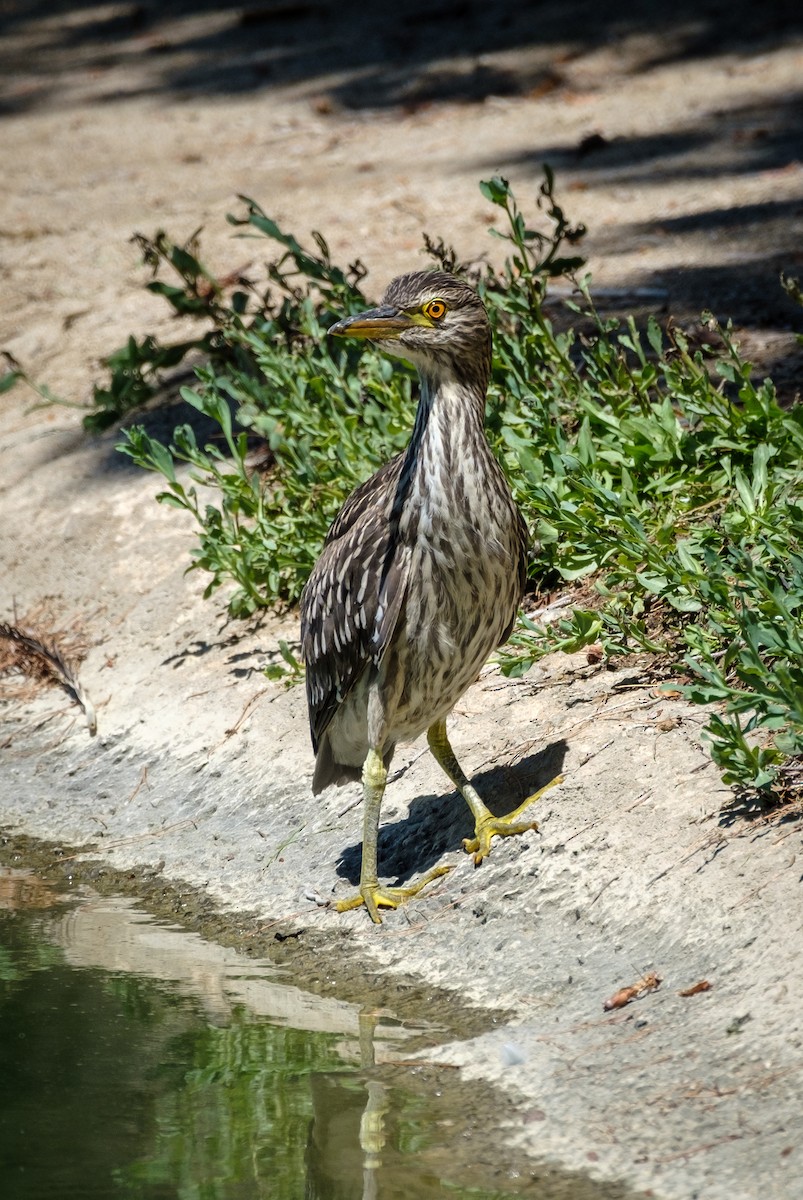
pixel 434 309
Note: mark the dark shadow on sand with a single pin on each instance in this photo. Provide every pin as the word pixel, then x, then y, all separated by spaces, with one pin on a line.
pixel 437 823
pixel 362 56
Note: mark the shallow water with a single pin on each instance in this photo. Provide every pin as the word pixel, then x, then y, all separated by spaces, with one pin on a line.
pixel 138 1060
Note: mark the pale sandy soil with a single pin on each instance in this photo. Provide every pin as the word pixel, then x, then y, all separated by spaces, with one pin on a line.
pixel 373 128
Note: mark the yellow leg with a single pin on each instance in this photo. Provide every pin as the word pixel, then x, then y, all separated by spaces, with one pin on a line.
pixel 486 825
pixel 374 777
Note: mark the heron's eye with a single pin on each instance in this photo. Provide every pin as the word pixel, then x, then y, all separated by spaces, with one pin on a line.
pixel 434 309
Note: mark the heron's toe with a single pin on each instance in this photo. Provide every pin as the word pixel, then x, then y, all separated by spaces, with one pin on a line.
pixel 480 845
pixel 374 896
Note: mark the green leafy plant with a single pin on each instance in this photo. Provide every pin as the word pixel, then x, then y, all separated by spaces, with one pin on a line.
pixel 656 473
pixel 223 308
pixel 290 670
pixel 322 429
pixel 15 374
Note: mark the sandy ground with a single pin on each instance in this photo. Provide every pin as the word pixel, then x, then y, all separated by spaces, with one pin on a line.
pixel 373 129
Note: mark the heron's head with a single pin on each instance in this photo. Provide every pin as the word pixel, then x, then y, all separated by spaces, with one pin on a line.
pixel 434 320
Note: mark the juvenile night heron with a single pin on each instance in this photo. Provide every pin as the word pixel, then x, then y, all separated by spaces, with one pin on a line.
pixel 420 576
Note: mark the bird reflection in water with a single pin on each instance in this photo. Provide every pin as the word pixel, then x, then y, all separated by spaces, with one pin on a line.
pixel 347 1136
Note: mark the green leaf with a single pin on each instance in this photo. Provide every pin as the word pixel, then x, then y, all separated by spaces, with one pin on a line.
pixel 10 378
pixel 686 558
pixel 654 336
pixel 744 490
pixel 497 190
pixel 657 585
pixel 684 603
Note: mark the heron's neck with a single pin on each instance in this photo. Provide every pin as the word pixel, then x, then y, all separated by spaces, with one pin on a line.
pixel 449 424
pixel 448 460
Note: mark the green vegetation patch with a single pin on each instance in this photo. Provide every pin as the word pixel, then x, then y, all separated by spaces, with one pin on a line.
pixel 659 478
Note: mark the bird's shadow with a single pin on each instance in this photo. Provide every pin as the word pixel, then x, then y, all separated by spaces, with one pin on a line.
pixel 437 823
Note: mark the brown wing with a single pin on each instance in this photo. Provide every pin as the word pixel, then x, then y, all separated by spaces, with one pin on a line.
pixel 352 599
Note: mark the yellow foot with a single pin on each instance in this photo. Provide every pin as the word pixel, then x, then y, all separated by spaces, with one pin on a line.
pixel 375 897
pixel 490 826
